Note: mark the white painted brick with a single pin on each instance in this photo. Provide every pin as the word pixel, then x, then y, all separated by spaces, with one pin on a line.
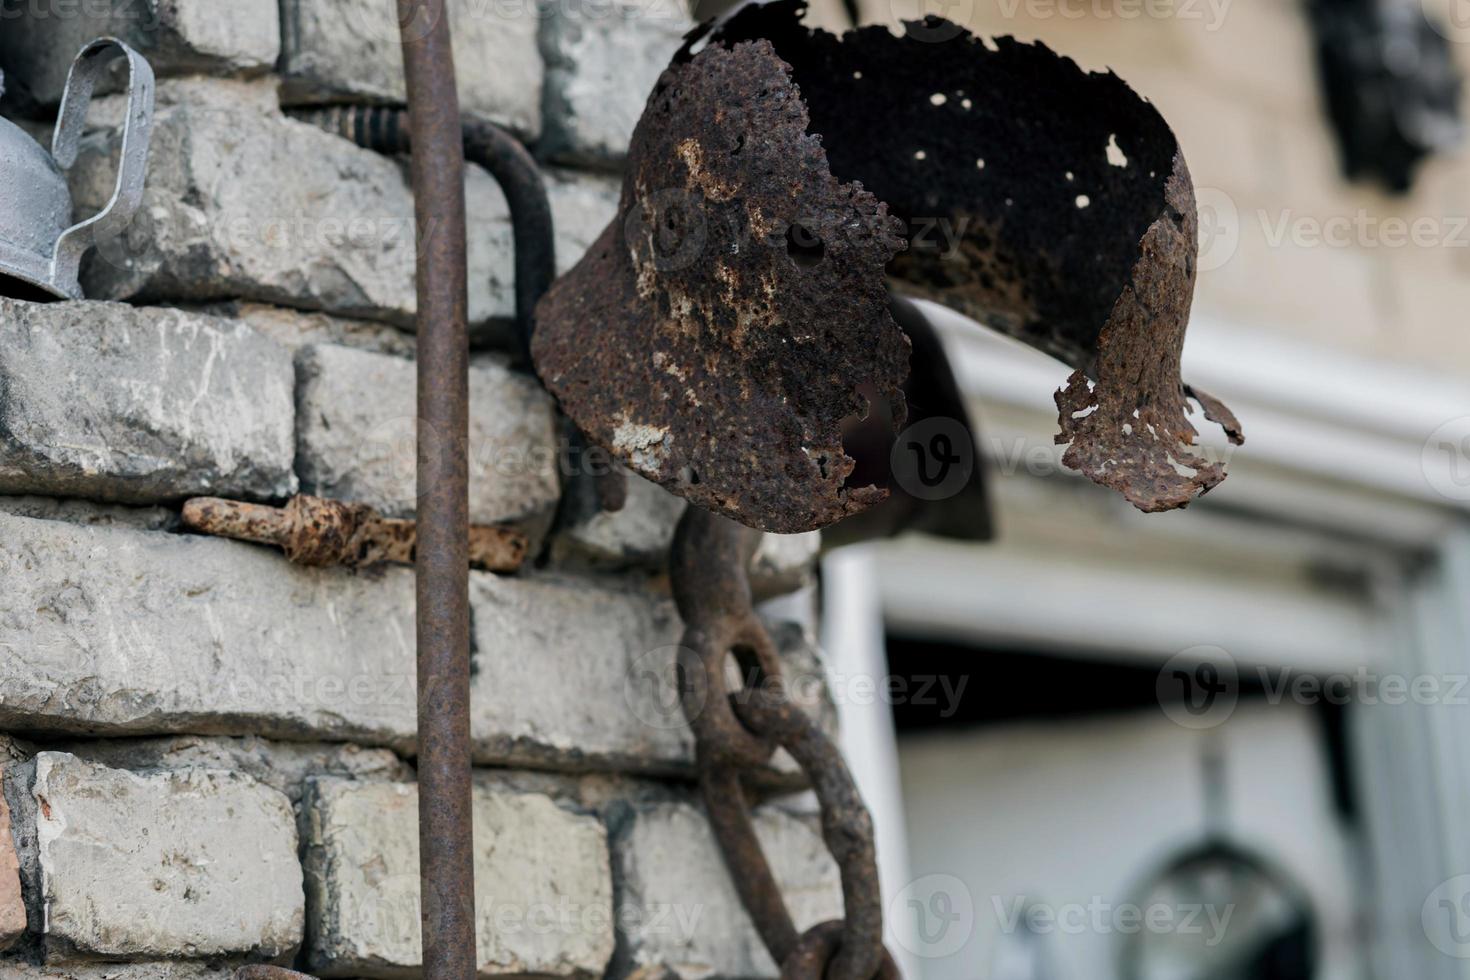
pixel 112 631
pixel 283 766
pixel 356 436
pixel 90 514
pixel 582 204
pixel 641 533
pixel 678 906
pixel 115 403
pixel 184 864
pixel 602 60
pixel 176 36
pixel 638 534
pixel 783 563
pixel 156 970
pixel 243 203
pixel 350 51
pixel 293 329
pixel 578 673
pixel 118 631
pixel 542 881
pixel 559 674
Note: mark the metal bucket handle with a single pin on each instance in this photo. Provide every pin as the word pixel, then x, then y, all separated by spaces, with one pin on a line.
pixel 85 72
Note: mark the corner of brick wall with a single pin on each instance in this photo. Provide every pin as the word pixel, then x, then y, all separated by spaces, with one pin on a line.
pixel 210 750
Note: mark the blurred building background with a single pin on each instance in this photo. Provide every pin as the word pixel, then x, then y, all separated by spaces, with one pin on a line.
pixel 1254 708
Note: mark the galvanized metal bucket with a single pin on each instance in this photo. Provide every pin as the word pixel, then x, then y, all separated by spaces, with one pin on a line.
pixel 40 249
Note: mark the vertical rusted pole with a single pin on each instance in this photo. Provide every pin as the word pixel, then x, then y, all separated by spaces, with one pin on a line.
pixel 446 861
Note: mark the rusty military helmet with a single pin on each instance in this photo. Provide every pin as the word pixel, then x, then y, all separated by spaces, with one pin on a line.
pixel 733 319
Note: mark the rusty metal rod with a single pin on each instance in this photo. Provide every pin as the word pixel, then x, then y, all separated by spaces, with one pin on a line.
pixel 320 531
pixel 446 850
pixel 384 129
pixel 515 170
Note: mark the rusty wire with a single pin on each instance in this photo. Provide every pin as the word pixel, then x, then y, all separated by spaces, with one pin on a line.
pixel 320 531
pixel 739 730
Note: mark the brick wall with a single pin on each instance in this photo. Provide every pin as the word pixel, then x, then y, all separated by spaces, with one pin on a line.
pixel 209 758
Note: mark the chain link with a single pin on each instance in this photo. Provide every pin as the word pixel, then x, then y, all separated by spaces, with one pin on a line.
pixel 740 730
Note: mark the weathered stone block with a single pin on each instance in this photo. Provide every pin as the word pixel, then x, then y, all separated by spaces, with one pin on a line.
pixel 614 703
pixel 602 60
pixel 542 879
pixel 350 51
pixel 582 204
pixel 12 902
pixel 114 403
pixel 243 203
pixel 573 670
pixel 356 436
pixel 783 563
pixel 90 514
pixel 294 329
pixel 39 40
pixel 156 970
pixel 641 533
pixel 185 864
pixel 637 535
pixel 14 750
pixel 677 905
pixel 283 766
pixel 118 631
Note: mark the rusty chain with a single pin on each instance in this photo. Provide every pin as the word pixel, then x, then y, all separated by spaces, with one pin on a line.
pixel 740 730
